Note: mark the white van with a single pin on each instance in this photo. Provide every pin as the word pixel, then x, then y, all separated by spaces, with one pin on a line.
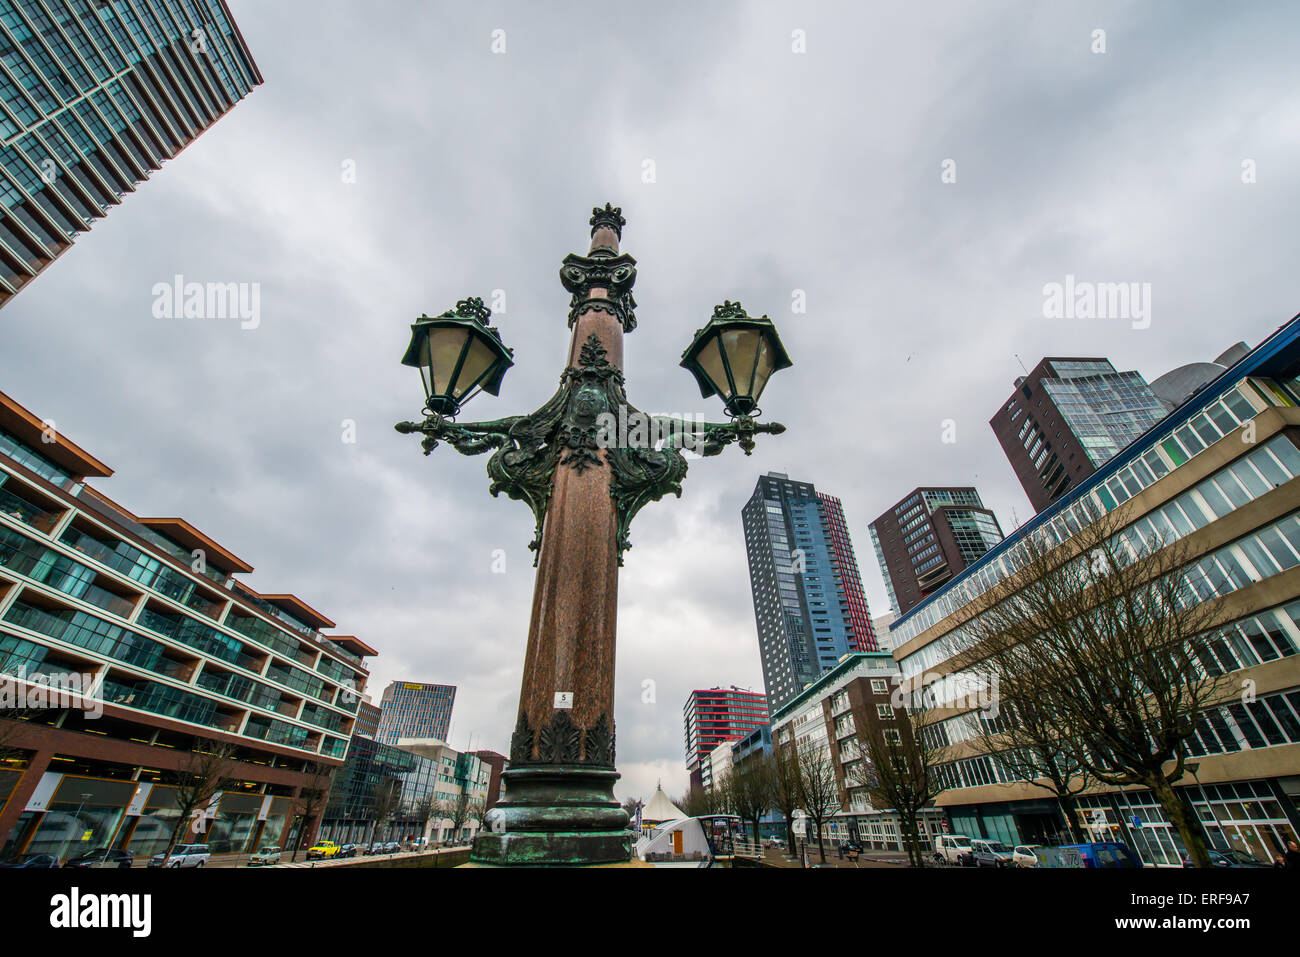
pixel 953 849
pixel 183 855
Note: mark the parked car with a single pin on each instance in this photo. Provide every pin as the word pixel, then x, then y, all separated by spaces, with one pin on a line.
pixel 30 860
pixel 183 855
pixel 990 853
pixel 1105 854
pixel 953 849
pixel 392 847
pixel 103 857
pixel 774 842
pixel 265 857
pixel 1229 858
pixel 350 850
pixel 1028 856
pixel 322 850
pixel 1023 855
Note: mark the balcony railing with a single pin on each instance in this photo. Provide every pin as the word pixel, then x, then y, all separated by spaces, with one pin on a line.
pixel 17 507
pixel 101 598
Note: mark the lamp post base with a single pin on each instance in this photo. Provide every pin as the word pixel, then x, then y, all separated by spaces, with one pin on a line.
pixel 557 816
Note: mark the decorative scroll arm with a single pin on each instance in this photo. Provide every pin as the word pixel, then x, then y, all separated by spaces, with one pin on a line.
pixel 710 438
pixel 467 438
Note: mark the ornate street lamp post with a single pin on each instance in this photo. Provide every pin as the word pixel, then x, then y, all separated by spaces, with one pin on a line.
pixel 585 462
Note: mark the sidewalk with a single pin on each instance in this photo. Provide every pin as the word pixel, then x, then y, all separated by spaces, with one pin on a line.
pixel 774 857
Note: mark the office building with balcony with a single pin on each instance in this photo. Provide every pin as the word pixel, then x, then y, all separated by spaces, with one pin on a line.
pixel 1067 418
pixel 163 649
pixel 1220 476
pixel 95 95
pixel 927 538
pixel 412 709
pixel 714 715
pixel 809 605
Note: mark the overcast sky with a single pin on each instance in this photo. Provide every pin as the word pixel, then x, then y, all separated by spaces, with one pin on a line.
pixel 773 171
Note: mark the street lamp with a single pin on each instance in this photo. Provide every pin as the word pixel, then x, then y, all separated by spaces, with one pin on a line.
pixel 457 353
pixel 584 474
pixel 733 357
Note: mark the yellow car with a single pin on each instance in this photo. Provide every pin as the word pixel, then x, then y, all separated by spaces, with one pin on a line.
pixel 322 849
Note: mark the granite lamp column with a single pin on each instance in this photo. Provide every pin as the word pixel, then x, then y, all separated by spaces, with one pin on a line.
pixel 559 806
pixel 584 489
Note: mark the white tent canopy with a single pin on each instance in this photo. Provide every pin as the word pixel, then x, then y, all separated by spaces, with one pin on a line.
pixel 660 809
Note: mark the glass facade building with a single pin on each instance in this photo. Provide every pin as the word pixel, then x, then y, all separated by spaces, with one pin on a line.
pixel 714 715
pixel 94 96
pixel 927 538
pixel 410 709
pixel 1067 418
pixel 1220 475
pixel 428 777
pixel 809 605
pixel 156 646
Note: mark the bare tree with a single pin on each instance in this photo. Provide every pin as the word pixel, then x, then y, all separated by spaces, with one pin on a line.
pixel 385 799
pixel 1113 631
pixel 899 768
pixel 786 788
pixel 421 811
pixel 457 810
pixel 819 790
pixel 722 796
pixel 313 797
pixel 697 801
pixel 752 785
pixel 478 809
pixel 630 806
pixel 1022 738
pixel 204 771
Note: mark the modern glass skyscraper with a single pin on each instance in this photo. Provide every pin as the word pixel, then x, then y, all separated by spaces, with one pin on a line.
pixel 1069 417
pixel 410 709
pixel 94 96
pixel 927 538
pixel 809 605
pixel 712 716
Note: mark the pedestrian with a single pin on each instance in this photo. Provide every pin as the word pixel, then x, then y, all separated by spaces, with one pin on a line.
pixel 1292 856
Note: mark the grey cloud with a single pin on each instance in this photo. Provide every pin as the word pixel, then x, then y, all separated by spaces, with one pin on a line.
pixel 775 172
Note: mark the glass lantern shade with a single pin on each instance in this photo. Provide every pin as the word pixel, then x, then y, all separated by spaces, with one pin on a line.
pixel 457 356
pixel 734 356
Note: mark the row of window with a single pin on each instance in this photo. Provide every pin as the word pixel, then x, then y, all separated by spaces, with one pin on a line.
pixel 1258 556
pixel 1219 417
pixel 1261 470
